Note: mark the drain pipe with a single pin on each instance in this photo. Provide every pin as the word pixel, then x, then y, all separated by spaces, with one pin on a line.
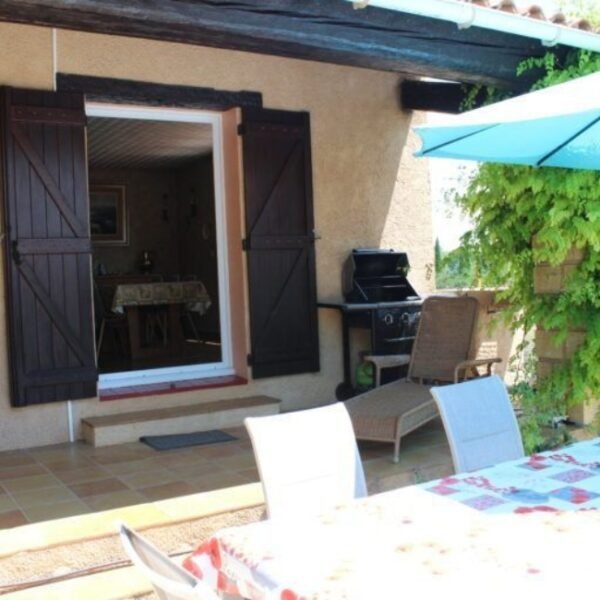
pixel 467 15
pixel 70 421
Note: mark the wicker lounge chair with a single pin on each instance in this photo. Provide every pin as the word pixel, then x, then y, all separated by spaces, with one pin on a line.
pixel 442 353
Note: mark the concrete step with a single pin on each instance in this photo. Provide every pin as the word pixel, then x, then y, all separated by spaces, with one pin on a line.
pixel 130 426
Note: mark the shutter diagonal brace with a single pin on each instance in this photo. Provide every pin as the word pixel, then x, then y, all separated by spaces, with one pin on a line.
pixel 78 228
pixel 294 154
pixel 279 299
pixel 52 310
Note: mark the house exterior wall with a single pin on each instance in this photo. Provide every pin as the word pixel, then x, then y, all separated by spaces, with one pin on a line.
pixel 368 189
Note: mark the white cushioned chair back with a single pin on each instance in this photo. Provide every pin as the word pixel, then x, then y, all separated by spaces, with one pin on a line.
pixel 308 460
pixel 170 581
pixel 480 423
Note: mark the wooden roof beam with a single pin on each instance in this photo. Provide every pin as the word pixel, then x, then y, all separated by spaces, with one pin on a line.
pixel 329 31
pixel 438 96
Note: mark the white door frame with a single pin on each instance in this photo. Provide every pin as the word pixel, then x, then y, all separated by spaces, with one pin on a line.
pixel 225 366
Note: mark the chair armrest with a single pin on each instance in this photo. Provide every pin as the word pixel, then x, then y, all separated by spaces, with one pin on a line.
pixel 388 360
pixel 472 365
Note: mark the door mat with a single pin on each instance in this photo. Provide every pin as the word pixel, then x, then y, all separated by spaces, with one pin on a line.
pixel 183 440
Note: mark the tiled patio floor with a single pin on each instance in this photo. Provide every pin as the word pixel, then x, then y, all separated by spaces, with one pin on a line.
pixel 51 482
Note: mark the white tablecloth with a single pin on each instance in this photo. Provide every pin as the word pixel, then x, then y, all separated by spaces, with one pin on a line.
pixel 442 539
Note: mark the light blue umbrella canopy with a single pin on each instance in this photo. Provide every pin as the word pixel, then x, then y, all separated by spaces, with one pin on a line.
pixel 558 126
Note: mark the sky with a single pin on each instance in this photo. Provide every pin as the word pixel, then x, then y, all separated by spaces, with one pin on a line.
pixel 453 174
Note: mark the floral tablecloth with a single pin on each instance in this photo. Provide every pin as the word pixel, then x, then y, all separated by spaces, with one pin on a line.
pixel 567 479
pixel 418 541
pixel 191 293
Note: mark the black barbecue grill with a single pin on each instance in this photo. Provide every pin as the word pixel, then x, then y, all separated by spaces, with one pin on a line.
pixel 377 297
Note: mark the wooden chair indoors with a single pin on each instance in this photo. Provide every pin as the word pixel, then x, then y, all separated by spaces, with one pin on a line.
pixel 443 352
pixel 106 319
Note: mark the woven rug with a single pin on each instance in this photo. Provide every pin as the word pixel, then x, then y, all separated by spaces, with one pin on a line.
pixel 183 440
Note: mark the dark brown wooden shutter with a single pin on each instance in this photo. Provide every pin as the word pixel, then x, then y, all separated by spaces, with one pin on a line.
pixel 49 288
pixel 280 242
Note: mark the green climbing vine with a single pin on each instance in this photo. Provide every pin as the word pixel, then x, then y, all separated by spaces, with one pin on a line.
pixel 526 215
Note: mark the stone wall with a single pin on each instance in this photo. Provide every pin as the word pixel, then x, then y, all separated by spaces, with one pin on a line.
pixel 549 279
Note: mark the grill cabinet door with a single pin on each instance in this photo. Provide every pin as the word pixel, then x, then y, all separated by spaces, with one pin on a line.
pixel 49 293
pixel 280 242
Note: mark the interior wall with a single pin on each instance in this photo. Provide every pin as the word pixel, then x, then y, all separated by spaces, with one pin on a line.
pixel 197 233
pixel 148 194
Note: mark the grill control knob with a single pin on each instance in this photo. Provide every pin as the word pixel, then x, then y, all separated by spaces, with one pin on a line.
pixel 388 319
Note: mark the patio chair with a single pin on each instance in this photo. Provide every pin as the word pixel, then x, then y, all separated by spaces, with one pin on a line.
pixel 442 353
pixel 307 460
pixel 480 423
pixel 170 581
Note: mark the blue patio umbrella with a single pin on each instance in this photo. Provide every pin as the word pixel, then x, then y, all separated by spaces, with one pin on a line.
pixel 558 126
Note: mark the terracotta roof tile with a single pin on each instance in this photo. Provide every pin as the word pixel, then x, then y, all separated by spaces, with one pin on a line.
pixel 533 12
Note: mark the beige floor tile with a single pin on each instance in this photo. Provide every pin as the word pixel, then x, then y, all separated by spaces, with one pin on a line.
pixel 68 463
pixel 56 453
pixel 35 498
pixel 17 472
pixel 58 510
pixel 12 518
pixel 15 459
pixel 392 482
pixel 96 488
pixel 217 450
pixel 83 475
pixel 181 459
pixel 149 478
pixel 6 503
pixel 195 469
pixel 119 476
pixel 380 467
pixel 22 484
pixel 249 474
pixel 167 490
pixel 132 466
pixel 114 454
pixel 138 448
pixel 216 481
pixel 236 462
pixel 115 500
pixel 428 473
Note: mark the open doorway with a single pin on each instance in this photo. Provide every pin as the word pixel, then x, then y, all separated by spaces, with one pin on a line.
pixel 158 244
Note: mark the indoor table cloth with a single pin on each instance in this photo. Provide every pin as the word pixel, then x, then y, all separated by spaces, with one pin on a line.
pixel 434 539
pixel 191 293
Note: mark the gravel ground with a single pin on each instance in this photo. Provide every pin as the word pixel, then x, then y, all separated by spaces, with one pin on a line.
pixel 80 558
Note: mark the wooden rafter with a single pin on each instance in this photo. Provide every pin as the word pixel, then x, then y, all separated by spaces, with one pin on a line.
pixel 328 30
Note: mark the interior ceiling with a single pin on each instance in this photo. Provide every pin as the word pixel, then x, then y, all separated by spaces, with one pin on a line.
pixel 135 143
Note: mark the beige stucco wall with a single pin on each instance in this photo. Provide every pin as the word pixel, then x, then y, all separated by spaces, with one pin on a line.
pixel 368 190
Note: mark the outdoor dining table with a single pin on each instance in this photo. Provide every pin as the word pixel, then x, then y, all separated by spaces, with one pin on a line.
pixel 528 528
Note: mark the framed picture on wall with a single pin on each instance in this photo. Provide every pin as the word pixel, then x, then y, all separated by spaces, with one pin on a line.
pixel 108 214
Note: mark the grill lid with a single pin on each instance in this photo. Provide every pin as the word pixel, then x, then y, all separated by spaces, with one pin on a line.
pixel 375 275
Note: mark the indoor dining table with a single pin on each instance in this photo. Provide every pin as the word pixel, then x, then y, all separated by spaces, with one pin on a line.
pixel 525 528
pixel 129 297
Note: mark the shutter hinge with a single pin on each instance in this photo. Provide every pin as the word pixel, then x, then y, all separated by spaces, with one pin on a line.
pixel 249 359
pixel 241 129
pixel 245 244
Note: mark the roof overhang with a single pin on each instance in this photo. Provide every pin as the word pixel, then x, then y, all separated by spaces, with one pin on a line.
pixel 328 30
